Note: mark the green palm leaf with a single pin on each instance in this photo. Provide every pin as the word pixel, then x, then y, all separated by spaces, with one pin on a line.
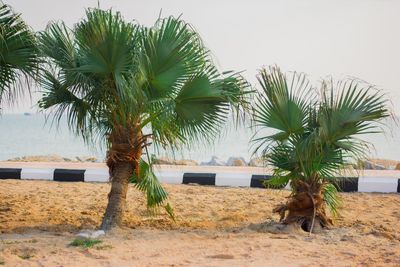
pixel 172 53
pixel 18 54
pixel 189 99
pixel 147 182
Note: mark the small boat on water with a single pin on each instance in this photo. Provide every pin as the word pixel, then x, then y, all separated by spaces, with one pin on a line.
pixel 27 114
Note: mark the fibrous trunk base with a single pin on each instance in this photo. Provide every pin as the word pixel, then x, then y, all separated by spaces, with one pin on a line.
pixel 306 208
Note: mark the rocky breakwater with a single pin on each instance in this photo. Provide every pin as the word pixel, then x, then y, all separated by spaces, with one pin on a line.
pixel 378 164
pixel 214 161
pixel 370 164
pixel 234 162
pixel 53 158
pixel 168 161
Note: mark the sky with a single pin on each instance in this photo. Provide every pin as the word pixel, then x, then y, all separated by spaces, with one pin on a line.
pixel 340 38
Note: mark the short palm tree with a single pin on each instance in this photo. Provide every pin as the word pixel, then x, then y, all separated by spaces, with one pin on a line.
pixel 127 84
pixel 316 136
pixel 18 54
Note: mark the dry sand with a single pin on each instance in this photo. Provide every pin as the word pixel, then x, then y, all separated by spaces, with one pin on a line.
pixel 214 227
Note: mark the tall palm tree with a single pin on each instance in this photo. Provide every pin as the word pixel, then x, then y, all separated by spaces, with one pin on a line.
pixel 127 84
pixel 18 54
pixel 316 136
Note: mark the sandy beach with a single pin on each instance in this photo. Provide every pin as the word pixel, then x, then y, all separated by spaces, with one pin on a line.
pixel 214 227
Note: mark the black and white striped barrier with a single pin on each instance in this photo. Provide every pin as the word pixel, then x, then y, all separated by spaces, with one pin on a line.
pixel 235 179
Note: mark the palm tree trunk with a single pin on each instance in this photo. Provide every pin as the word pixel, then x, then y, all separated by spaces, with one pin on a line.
pixel 122 160
pixel 117 196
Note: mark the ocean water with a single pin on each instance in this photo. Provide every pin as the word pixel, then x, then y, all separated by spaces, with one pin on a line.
pixel 22 135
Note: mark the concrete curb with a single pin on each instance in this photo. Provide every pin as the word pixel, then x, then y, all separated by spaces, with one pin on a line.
pixel 380 184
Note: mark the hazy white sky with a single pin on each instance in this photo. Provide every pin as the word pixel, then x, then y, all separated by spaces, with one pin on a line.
pixel 319 37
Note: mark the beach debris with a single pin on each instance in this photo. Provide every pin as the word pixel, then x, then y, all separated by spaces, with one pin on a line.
pixel 215 161
pixel 90 234
pixel 236 161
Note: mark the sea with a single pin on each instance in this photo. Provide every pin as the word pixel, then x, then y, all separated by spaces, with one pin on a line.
pixel 35 134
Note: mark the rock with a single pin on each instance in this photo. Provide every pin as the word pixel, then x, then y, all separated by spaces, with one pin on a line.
pixel 90 159
pixel 350 167
pixel 378 164
pixel 52 158
pixel 86 159
pixel 83 234
pixel 215 161
pixel 168 161
pixel 236 161
pixel 39 158
pixel 163 161
pixel 368 165
pixel 15 159
pixel 98 233
pixel 379 167
pixel 397 166
pixel 91 234
pixel 257 162
pixel 187 162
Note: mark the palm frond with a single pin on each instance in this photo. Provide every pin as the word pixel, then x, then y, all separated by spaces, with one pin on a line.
pixel 96 63
pixel 332 198
pixel 148 183
pixel 188 98
pixel 172 52
pixel 18 54
pixel 281 105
